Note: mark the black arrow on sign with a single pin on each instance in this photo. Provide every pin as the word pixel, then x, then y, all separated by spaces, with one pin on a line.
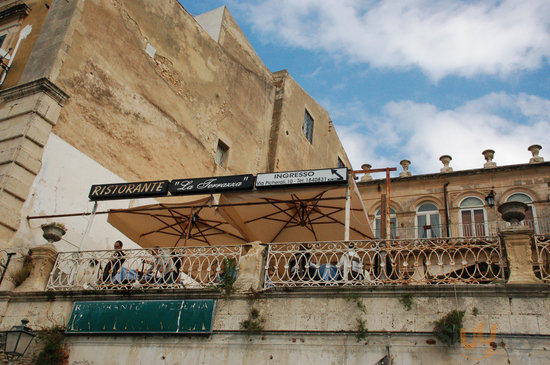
pixel 334 172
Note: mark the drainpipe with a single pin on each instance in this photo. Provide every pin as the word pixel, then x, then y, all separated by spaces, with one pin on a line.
pixel 22 35
pixel 447 216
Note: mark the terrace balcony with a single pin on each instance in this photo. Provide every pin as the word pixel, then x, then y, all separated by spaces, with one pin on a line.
pixel 366 263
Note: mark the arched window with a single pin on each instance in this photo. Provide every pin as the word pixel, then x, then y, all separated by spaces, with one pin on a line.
pixel 530 213
pixel 472 217
pixel 393 223
pixel 427 221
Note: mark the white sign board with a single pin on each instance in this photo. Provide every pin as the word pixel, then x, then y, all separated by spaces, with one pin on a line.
pixel 304 177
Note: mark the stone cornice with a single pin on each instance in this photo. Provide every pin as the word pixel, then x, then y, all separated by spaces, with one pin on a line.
pixel 497 290
pixel 449 175
pixel 38 86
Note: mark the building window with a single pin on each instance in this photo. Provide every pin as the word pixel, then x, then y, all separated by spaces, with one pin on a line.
pixel 307 128
pixel 530 213
pixel 2 38
pixel 427 221
pixel 341 163
pixel 472 217
pixel 221 153
pixel 393 223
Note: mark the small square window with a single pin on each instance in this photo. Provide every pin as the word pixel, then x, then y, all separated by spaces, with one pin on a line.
pixel 2 38
pixel 307 128
pixel 221 153
pixel 341 163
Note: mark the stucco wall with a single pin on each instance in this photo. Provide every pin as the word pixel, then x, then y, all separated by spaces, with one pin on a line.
pixel 318 326
pixel 159 117
pixel 289 144
pixel 55 191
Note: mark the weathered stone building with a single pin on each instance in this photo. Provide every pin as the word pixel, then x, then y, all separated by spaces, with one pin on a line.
pixel 106 91
pixel 456 203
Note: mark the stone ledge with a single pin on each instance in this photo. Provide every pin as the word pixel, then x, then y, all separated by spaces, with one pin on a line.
pixel 41 85
pixel 500 290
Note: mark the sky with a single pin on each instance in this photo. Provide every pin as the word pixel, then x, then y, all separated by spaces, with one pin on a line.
pixel 413 79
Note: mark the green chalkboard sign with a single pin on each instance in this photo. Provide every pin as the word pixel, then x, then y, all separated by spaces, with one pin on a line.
pixel 149 316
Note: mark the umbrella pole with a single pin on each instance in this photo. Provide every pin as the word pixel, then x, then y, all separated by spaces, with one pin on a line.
pixel 348 208
pixel 188 226
pixel 88 227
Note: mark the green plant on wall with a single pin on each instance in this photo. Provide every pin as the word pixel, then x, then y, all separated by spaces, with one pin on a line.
pixel 362 330
pixel 447 329
pixel 53 351
pixel 407 300
pixel 228 275
pixel 254 323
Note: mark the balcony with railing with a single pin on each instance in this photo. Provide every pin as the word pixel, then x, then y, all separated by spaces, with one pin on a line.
pixel 541 253
pixel 493 228
pixel 478 260
pixel 189 267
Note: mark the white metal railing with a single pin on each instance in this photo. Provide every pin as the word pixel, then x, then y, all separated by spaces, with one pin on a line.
pixel 189 267
pixel 542 262
pixel 467 260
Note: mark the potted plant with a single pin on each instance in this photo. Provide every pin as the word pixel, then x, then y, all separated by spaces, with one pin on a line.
pixel 53 231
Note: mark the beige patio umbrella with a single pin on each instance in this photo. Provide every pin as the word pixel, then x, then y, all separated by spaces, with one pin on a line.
pixel 188 223
pixel 296 215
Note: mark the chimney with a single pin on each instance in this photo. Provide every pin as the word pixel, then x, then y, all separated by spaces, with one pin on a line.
pixel 405 164
pixel 535 148
pixel 446 159
pixel 489 154
pixel 367 176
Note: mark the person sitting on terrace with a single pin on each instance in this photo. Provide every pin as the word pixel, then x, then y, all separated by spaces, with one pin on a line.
pixel 301 266
pixel 350 266
pixel 162 269
pixel 113 266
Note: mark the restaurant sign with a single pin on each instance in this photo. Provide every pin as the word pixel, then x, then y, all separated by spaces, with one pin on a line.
pixel 304 177
pixel 129 190
pixel 208 185
pixel 185 316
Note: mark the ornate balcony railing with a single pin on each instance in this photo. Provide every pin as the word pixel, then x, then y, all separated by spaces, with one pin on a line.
pixel 542 262
pixel 540 225
pixel 189 267
pixel 380 262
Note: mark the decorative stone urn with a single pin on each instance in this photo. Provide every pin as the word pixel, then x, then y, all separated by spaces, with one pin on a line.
pixel 405 164
pixel 535 149
pixel 517 239
pixel 53 231
pixel 367 176
pixel 446 159
pixel 489 154
pixel 513 212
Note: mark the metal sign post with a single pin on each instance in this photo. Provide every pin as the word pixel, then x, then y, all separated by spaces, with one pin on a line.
pixel 348 209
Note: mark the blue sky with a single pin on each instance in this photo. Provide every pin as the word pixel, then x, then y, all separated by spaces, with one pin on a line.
pixel 413 79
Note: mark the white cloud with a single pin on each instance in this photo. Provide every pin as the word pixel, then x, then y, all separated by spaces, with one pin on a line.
pixel 441 37
pixel 422 132
pixel 314 73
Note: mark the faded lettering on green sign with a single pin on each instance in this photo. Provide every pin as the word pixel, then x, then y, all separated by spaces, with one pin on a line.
pixel 150 316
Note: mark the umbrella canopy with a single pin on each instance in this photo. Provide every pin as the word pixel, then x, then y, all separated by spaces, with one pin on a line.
pixel 296 215
pixel 192 223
